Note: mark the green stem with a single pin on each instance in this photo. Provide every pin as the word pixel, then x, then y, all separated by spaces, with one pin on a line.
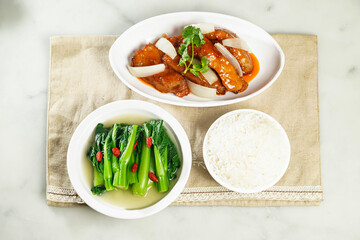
pixel 123 181
pixel 161 169
pixel 115 163
pixel 108 174
pixel 187 66
pixel 192 54
pixel 98 178
pixel 132 175
pixel 140 188
pixel 114 159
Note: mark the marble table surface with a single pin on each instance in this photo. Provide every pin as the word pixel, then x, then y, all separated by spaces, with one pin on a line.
pixel 25 29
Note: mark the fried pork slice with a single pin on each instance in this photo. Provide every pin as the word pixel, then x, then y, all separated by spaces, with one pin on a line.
pixel 174 64
pixel 242 56
pixel 168 81
pixel 227 72
pixel 176 40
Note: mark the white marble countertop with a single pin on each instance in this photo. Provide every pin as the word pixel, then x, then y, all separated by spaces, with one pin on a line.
pixel 25 28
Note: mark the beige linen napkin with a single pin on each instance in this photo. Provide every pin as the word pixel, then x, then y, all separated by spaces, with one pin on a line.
pixel 82 80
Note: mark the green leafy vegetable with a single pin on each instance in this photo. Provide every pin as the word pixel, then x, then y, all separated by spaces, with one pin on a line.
pixel 98 145
pixel 125 132
pixel 202 67
pixel 121 142
pixel 132 176
pixel 98 190
pixel 122 180
pixel 114 159
pixel 99 166
pixel 108 174
pixel 161 165
pixel 159 156
pixel 100 136
pixel 98 178
pixel 135 156
pixel 165 147
pixel 192 36
pixel 140 188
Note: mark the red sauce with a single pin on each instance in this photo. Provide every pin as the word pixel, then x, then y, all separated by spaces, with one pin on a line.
pixel 146 83
pixel 255 70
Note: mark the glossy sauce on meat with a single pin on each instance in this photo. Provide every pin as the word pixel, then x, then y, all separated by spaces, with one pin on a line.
pixel 242 56
pixel 174 64
pixel 227 72
pixel 168 81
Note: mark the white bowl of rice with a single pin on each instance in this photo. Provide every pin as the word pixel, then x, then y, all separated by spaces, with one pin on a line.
pixel 246 151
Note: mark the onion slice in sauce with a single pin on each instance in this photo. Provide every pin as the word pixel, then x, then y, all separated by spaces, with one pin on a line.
pixel 166 47
pixel 229 57
pixel 205 27
pixel 209 75
pixel 201 91
pixel 147 70
pixel 236 43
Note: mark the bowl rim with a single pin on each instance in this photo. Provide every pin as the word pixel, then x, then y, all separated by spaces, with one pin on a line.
pixel 210 103
pixel 108 209
pixel 238 189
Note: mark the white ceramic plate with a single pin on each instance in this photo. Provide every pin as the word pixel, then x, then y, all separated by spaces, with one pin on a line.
pixel 79 143
pixel 268 52
pixel 283 167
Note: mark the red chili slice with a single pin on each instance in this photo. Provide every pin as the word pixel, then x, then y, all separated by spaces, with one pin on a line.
pixel 153 177
pixel 134 146
pixel 148 142
pixel 134 167
pixel 116 151
pixel 99 156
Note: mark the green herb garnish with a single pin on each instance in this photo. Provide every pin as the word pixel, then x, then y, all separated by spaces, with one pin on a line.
pixel 202 67
pixel 192 35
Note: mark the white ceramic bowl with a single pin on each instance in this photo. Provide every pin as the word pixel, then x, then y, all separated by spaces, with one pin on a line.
pixel 79 143
pixel 265 48
pixel 283 167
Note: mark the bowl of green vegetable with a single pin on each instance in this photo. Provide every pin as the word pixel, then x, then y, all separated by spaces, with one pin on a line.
pixel 129 159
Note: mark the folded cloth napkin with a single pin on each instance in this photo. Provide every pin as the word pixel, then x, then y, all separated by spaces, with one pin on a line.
pixel 82 80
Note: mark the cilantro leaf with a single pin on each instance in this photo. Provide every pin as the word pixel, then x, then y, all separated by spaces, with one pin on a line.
pixel 203 67
pixel 204 64
pixel 182 62
pixel 193 71
pixel 197 67
pixel 184 55
pixel 188 34
pixel 191 35
pixel 181 49
pixel 198 38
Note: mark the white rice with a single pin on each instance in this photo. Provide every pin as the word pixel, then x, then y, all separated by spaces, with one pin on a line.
pixel 247 150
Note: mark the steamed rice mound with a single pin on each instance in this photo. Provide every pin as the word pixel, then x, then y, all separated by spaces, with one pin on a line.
pixel 247 150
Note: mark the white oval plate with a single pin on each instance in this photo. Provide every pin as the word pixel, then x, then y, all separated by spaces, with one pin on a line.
pixel 271 57
pixel 79 143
